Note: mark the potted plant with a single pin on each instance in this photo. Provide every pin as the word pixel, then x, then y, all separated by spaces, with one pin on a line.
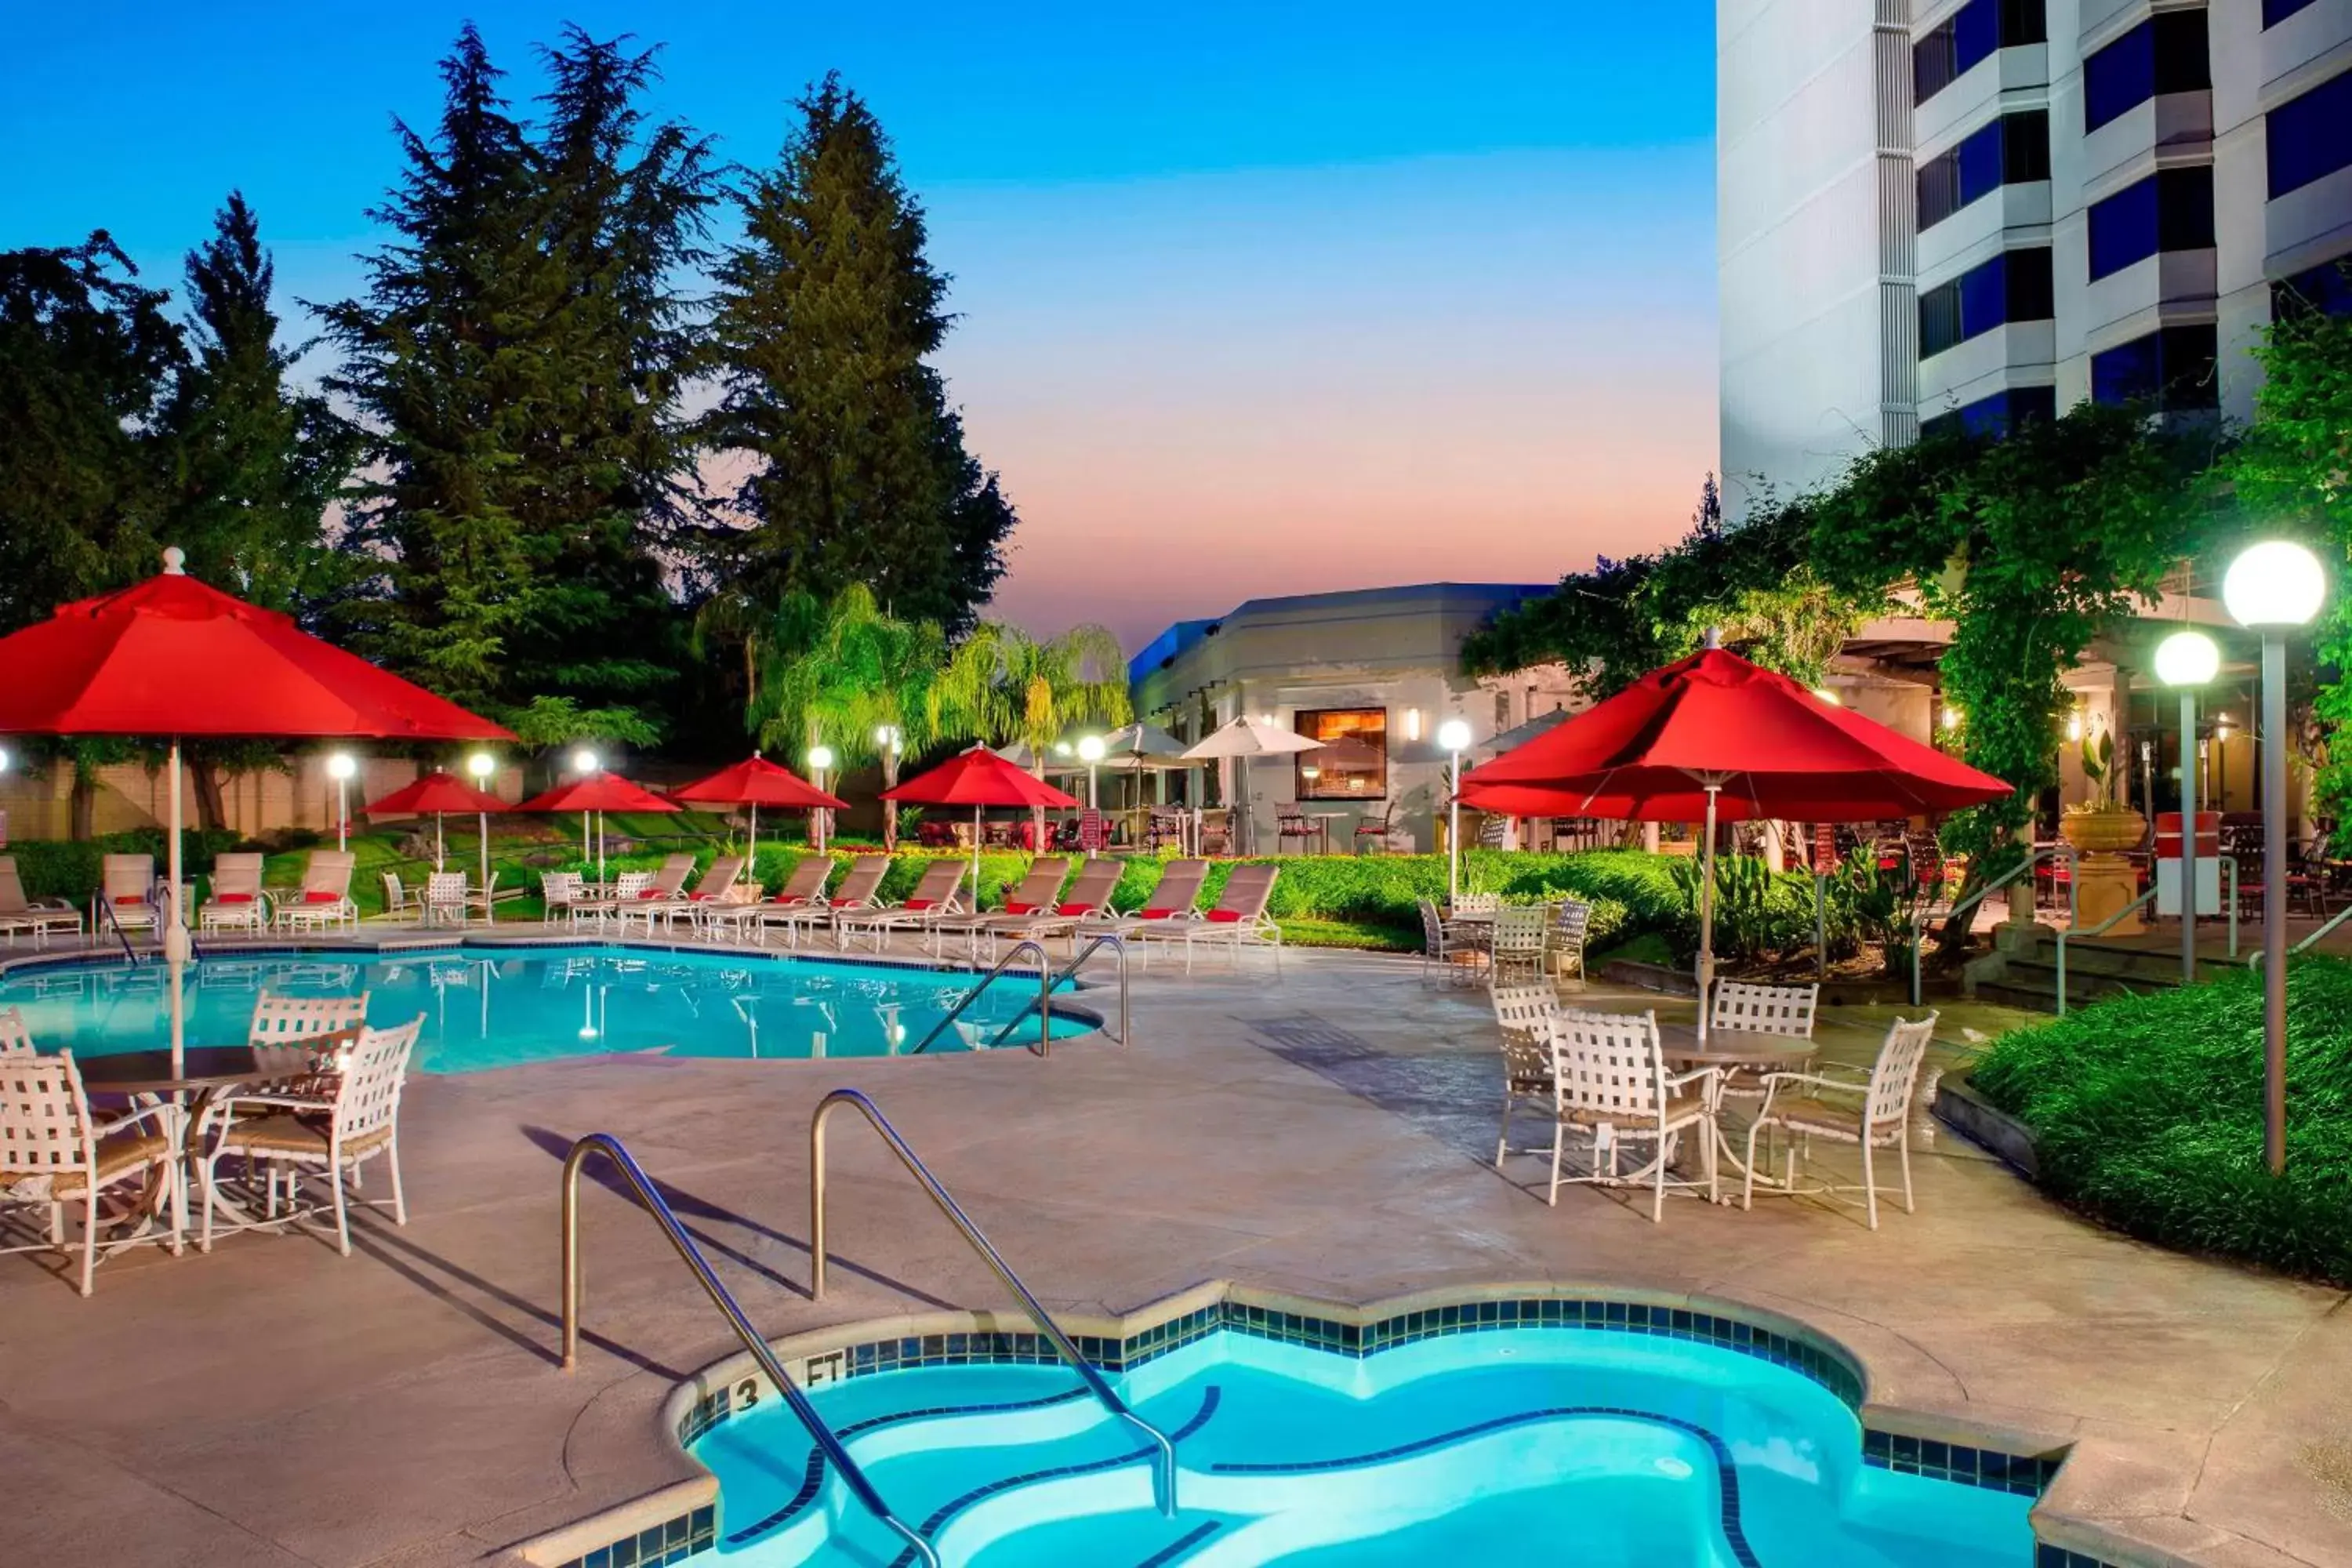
pixel 2104 824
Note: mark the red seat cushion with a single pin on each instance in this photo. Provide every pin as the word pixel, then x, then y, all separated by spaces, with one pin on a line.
pixel 231 897
pixel 1074 909
pixel 650 892
pixel 922 903
pixel 1011 908
pixel 1226 917
pixel 131 898
pixel 1161 914
pixel 321 896
pixel 846 903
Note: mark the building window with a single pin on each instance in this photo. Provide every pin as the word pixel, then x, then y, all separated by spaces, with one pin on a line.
pixel 2172 368
pixel 2164 54
pixel 1995 416
pixel 1968 36
pixel 2013 150
pixel 2311 136
pixel 2172 209
pixel 1353 763
pixel 2326 289
pixel 2277 11
pixel 2014 286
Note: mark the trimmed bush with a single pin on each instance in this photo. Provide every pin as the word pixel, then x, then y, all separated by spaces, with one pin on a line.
pixel 69 869
pixel 2146 1113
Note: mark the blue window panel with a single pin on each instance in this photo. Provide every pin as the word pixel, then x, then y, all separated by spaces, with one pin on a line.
pixel 1991 418
pixel 2123 228
pixel 2277 11
pixel 2311 136
pixel 2326 288
pixel 2172 368
pixel 2014 286
pixel 2167 52
pixel 1969 37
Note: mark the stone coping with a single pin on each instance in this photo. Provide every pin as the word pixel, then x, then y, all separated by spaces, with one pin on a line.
pixel 679 1522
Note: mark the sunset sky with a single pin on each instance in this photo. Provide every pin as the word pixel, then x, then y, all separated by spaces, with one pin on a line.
pixel 1255 299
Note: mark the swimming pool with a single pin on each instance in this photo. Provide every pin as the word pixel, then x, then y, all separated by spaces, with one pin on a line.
pixel 489 1006
pixel 1606 1447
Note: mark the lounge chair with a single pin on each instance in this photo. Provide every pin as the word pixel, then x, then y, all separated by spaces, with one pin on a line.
pixel 325 898
pixel 40 916
pixel 1086 901
pixel 53 1152
pixel 1610 1080
pixel 1040 888
pixel 126 895
pixel 354 1118
pixel 1237 920
pixel 933 900
pixel 711 888
pixel 668 886
pixel 855 890
pixel 1872 1113
pixel 1172 900
pixel 804 885
pixel 237 902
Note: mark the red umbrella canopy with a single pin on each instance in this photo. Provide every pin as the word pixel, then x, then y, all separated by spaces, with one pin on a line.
pixel 755 781
pixel 172 656
pixel 978 777
pixel 1775 748
pixel 438 790
pixel 599 792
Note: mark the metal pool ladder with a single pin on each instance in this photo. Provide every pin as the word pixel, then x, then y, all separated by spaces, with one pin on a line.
pixel 940 1195
pixel 827 1443
pixel 1048 977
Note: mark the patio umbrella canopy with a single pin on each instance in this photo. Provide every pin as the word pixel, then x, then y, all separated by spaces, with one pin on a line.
pixel 978 778
pixel 438 792
pixel 599 792
pixel 756 782
pixel 1245 738
pixel 172 657
pixel 1713 738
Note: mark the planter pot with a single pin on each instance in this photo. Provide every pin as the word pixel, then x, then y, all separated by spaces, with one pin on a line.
pixel 2107 830
pixel 2105 882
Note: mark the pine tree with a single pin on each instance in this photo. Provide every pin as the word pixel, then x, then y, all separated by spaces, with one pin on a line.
pixel 826 315
pixel 443 365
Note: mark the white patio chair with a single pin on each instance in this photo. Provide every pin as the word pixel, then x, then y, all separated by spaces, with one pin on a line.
pixel 281 1019
pixel 127 895
pixel 560 891
pixel 1515 953
pixel 1570 929
pixel 1610 1080
pixel 40 916
pixel 1764 1009
pixel 444 899
pixel 1870 1112
pixel 237 902
pixel 397 904
pixel 1525 1014
pixel 1443 948
pixel 16 1039
pixel 54 1154
pixel 353 1119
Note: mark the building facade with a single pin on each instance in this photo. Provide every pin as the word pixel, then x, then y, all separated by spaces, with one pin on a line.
pixel 1972 212
pixel 1371 674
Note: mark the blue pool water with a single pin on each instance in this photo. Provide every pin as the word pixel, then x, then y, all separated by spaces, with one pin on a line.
pixel 489 1007
pixel 1596 1448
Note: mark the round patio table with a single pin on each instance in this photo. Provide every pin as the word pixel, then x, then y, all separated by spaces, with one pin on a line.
pixel 208 1070
pixel 1735 1052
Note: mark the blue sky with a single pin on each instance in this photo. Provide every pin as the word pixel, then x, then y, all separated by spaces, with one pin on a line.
pixel 1296 296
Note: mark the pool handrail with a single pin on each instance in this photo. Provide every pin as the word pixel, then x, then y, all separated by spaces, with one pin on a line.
pixel 1044 1046
pixel 947 1206
pixel 1117 944
pixel 761 1353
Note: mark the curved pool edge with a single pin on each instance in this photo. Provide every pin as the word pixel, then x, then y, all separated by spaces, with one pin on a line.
pixel 1917 1440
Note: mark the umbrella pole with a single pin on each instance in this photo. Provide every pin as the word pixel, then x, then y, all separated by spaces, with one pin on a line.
pixel 975 859
pixel 600 849
pixel 440 845
pixel 751 849
pixel 176 934
pixel 484 818
pixel 1706 914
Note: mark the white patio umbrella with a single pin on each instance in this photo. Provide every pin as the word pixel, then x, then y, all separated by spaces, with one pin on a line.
pixel 1245 738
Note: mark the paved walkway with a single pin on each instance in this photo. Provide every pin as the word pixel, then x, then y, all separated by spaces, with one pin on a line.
pixel 274 1404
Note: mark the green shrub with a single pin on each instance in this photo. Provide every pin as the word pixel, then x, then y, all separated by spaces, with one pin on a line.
pixel 2147 1113
pixel 69 869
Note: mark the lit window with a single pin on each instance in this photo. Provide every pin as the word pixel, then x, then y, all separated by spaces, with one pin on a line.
pixel 1353 762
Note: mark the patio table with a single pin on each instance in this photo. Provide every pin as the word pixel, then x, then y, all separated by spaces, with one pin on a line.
pixel 206 1072
pixel 1735 1052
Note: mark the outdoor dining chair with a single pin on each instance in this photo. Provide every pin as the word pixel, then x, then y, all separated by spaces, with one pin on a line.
pixel 1873 1113
pixel 332 1133
pixel 1525 1014
pixel 15 1038
pixel 1515 953
pixel 1444 947
pixel 1569 927
pixel 1610 1082
pixel 558 893
pixel 444 899
pixel 54 1154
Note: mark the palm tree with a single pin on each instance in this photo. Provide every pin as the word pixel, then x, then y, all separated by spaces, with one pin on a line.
pixel 1003 685
pixel 854 678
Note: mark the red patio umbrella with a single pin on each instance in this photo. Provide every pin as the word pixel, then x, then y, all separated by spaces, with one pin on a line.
pixel 438 792
pixel 978 778
pixel 756 782
pixel 599 792
pixel 1713 737
pixel 172 657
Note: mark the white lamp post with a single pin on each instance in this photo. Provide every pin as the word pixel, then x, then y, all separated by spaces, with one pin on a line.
pixel 2269 587
pixel 1090 752
pixel 341 767
pixel 819 758
pixel 1454 737
pixel 2185 661
pixel 584 763
pixel 481 765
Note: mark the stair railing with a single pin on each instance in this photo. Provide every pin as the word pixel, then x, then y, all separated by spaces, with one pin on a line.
pixel 2104 927
pixel 1919 920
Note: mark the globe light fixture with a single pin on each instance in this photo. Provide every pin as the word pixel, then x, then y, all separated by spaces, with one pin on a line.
pixel 584 761
pixel 2271 587
pixel 1951 716
pixel 2185 661
pixel 1090 752
pixel 340 768
pixel 820 757
pixel 1454 738
pixel 886 736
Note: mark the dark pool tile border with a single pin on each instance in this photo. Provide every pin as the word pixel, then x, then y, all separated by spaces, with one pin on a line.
pixel 2023 1475
pixel 2048 1556
pixel 657 1545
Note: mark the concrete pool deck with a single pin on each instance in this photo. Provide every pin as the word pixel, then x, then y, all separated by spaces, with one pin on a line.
pixel 1329 1134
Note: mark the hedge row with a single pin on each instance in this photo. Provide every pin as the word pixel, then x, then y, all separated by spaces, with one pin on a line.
pixel 2147 1113
pixel 69 869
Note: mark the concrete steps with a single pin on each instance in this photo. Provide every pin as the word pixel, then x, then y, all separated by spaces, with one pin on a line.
pixel 2027 977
